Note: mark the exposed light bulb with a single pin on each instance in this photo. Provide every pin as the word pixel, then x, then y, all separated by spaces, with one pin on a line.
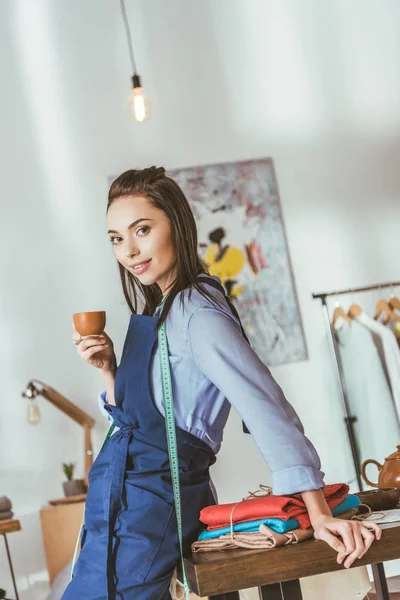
pixel 33 412
pixel 138 102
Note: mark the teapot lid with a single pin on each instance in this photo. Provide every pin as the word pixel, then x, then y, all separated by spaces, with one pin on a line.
pixel 395 455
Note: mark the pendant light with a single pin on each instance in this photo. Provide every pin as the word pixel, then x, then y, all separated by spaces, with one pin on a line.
pixel 138 102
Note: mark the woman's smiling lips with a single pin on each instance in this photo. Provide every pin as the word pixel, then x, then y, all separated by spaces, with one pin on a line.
pixel 140 267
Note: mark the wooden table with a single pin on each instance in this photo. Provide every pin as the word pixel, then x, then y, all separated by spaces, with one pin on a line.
pixel 276 572
pixel 9 526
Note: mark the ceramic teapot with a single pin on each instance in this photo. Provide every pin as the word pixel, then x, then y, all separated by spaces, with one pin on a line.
pixel 388 473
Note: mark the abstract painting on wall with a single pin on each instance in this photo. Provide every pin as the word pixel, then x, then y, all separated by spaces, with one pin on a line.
pixel 243 241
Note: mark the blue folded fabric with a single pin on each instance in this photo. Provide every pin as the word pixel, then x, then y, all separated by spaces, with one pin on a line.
pixel 351 501
pixel 278 525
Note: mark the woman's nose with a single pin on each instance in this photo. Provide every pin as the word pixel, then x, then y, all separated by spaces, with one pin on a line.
pixel 131 250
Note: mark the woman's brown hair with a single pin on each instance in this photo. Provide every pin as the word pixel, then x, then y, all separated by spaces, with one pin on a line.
pixel 166 195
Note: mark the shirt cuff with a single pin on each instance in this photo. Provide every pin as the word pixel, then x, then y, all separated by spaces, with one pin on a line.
pixel 297 479
pixel 102 399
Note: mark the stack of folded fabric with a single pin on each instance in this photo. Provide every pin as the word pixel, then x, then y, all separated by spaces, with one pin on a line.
pixel 267 521
pixel 5 508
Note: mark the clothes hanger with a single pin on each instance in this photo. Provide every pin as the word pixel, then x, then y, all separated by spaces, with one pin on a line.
pixel 355 311
pixel 383 307
pixel 394 302
pixel 339 313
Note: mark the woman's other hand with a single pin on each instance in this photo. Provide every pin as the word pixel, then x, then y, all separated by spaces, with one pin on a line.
pixel 96 350
pixel 350 539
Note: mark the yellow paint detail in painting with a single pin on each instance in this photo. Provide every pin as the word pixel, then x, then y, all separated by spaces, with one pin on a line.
pixel 237 290
pixel 227 267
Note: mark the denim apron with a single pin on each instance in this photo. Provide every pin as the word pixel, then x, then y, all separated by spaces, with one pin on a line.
pixel 129 542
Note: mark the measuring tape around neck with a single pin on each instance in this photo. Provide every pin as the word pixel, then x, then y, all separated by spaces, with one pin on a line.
pixel 171 439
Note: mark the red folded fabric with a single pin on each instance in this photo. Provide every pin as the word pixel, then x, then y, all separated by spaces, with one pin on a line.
pixel 273 507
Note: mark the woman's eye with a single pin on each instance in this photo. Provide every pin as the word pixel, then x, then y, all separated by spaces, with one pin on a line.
pixel 145 229
pixel 115 240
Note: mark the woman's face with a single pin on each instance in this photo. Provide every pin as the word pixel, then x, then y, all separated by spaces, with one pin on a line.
pixel 141 236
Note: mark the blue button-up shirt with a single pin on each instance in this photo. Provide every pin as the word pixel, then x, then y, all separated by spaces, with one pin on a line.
pixel 214 368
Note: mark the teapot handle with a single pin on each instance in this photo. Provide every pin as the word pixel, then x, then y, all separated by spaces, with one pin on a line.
pixel 363 469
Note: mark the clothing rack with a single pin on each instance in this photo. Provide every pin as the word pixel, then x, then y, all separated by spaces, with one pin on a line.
pixel 348 417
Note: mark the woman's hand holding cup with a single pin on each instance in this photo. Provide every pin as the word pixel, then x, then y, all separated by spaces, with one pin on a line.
pixel 97 349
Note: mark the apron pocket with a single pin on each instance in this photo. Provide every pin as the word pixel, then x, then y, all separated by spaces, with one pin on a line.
pixel 139 532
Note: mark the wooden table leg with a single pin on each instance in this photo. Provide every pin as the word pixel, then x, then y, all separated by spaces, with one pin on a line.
pixel 287 590
pixel 270 592
pixel 381 586
pixel 11 567
pixel 291 590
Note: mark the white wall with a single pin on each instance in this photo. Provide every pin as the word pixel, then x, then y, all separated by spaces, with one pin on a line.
pixel 313 84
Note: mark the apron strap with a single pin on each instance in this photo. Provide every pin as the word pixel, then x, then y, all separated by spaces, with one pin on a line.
pixel 220 288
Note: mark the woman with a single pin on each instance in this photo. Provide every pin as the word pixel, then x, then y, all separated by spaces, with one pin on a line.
pixel 130 541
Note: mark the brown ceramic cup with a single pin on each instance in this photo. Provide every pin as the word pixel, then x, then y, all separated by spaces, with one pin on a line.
pixel 90 323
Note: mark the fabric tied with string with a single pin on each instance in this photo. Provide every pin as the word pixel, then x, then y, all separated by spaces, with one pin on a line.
pixel 269 506
pixel 266 538
pixel 349 503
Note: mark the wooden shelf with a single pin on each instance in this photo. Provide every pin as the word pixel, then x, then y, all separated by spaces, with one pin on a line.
pixel 9 525
pixel 68 500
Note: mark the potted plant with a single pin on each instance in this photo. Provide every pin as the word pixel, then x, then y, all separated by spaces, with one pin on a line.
pixel 72 487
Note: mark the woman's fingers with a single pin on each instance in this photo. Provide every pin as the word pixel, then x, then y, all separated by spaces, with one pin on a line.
pixel 374 527
pixel 356 538
pixel 350 539
pixel 332 541
pixel 370 532
pixel 87 345
pixel 91 340
pixel 87 341
pixel 76 338
pixel 359 548
pixel 368 537
pixel 87 354
pixel 345 530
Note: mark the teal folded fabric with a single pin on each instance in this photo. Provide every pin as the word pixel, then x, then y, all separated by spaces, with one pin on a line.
pixel 351 501
pixel 279 525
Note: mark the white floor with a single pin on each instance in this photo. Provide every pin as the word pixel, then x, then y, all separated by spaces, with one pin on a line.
pixel 38 591
pixel 32 588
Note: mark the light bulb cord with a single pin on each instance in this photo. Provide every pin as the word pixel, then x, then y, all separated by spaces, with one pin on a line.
pixel 128 36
